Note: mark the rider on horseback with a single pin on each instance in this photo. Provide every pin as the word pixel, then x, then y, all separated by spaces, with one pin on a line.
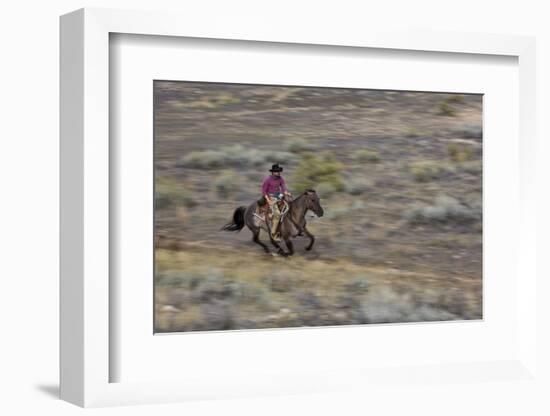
pixel 273 191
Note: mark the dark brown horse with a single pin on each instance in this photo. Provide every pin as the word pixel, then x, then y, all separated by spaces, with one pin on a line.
pixel 292 225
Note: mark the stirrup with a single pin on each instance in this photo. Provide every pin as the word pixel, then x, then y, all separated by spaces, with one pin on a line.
pixel 276 236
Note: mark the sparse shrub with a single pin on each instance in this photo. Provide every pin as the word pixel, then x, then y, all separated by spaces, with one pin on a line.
pixel 456 99
pixel 473 167
pixel 426 171
pixel 277 156
pixel 358 285
pixel 247 293
pixel 174 279
pixel 279 282
pixel 298 144
pixel 212 285
pixel 308 300
pixel 357 185
pixel 225 99
pixel 262 298
pixel 412 132
pixel 225 185
pixel 326 189
pixel 385 304
pixel 312 171
pixel 475 203
pixel 470 132
pixel 216 316
pixel 238 155
pixel 211 103
pixel 446 110
pixel 459 153
pixel 203 159
pixel 344 211
pixel 169 192
pixel 233 156
pixel 367 155
pixel 445 209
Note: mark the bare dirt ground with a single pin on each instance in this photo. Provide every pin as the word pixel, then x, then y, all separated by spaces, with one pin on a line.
pixel 399 175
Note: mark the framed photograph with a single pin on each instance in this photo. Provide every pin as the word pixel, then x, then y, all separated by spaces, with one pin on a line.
pixel 277 213
pixel 384 187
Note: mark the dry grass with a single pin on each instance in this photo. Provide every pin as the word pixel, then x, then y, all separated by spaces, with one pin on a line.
pixel 201 291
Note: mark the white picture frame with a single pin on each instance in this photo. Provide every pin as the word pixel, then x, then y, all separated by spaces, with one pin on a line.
pixel 85 214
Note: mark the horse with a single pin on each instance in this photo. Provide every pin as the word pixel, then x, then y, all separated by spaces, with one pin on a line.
pixel 292 224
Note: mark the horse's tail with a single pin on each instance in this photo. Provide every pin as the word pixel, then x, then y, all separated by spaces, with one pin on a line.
pixel 238 221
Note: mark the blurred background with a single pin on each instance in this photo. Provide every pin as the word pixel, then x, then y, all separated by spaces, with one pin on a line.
pixel 399 175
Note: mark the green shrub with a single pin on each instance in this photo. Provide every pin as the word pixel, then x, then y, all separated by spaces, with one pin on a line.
pixel 459 153
pixel 169 192
pixel 412 132
pixel 298 145
pixel 446 110
pixel 312 171
pixel 426 171
pixel 367 155
pixel 445 209
pixel 456 99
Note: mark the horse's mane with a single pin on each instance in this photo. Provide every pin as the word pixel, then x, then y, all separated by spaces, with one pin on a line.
pixel 301 195
pixel 304 193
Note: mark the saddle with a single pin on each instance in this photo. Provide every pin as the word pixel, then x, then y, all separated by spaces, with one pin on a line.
pixel 265 214
pixel 264 211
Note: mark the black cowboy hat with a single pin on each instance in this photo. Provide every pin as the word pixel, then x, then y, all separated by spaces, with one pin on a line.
pixel 276 168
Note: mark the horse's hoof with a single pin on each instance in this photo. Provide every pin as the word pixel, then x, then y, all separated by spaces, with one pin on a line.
pixel 308 248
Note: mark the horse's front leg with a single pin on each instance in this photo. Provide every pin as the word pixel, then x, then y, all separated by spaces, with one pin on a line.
pixel 277 246
pixel 311 238
pixel 290 246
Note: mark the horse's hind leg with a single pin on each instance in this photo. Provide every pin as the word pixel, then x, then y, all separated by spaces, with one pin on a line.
pixel 256 239
pixel 311 238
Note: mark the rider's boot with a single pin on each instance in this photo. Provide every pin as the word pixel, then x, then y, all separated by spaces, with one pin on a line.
pixel 274 230
pixel 275 226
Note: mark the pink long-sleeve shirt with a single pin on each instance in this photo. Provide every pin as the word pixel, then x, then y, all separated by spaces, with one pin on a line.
pixel 273 185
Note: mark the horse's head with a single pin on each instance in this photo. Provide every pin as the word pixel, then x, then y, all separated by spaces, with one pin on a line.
pixel 313 203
